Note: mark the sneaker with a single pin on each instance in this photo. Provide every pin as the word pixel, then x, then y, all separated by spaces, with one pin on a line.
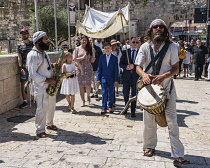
pixel 184 76
pixel 23 105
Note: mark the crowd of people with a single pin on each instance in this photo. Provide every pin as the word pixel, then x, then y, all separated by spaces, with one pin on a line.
pixel 94 63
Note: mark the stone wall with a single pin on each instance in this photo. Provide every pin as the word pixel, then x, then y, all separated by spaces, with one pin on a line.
pixel 10 95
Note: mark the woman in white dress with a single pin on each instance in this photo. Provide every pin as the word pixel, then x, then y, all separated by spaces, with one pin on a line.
pixel 70 85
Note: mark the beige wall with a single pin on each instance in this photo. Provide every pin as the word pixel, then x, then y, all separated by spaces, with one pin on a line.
pixel 10 95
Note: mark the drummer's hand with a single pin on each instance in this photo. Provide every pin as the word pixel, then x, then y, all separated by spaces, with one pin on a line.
pixel 146 78
pixel 158 79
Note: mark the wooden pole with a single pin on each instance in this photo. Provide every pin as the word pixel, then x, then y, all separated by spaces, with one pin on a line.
pixel 125 41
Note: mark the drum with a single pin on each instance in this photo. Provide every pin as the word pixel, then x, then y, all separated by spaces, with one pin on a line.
pixel 152 98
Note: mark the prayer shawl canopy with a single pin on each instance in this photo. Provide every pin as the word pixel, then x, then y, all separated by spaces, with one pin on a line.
pixel 99 24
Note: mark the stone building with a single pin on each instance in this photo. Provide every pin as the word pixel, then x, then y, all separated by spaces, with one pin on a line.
pixel 16 14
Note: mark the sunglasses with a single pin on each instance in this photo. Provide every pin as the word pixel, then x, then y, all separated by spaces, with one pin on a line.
pixel 135 42
pixel 156 26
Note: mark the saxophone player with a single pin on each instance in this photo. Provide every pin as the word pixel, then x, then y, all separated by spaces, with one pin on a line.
pixel 40 72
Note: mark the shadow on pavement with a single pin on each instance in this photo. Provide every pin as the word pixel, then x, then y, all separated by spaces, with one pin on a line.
pixel 77 138
pixel 195 161
pixel 182 114
pixel 186 101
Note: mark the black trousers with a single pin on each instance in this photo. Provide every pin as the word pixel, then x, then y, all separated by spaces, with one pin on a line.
pixel 180 65
pixel 127 86
pixel 198 70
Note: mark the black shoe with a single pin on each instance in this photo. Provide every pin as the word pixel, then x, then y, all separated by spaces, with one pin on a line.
pixel 133 115
pixel 92 96
pixel 196 79
pixel 96 96
pixel 103 112
pixel 23 105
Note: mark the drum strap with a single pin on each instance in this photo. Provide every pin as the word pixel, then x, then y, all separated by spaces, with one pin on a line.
pixel 160 56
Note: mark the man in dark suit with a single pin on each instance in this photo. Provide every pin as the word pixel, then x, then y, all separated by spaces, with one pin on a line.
pixel 199 57
pixel 129 75
pixel 107 76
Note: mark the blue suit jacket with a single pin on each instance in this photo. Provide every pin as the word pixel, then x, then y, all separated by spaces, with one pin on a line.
pixel 108 73
pixel 123 64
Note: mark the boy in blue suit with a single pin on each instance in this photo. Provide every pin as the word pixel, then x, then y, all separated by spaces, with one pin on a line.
pixel 107 76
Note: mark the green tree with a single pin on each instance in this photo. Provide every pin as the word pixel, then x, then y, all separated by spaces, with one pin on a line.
pixel 47 21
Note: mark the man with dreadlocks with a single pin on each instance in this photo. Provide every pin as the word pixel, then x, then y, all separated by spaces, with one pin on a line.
pixel 158 36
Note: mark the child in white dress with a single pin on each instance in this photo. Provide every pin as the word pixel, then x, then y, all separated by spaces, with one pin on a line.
pixel 70 85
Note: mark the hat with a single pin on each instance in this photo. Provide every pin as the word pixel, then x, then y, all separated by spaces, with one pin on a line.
pixel 38 35
pixel 114 42
pixel 23 31
pixel 157 21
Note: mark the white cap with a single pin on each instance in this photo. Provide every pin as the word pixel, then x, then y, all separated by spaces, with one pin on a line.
pixel 38 35
pixel 157 21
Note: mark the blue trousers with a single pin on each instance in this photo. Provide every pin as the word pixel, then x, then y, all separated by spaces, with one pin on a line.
pixel 107 95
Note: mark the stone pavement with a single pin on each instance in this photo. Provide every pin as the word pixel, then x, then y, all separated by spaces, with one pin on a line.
pixel 90 140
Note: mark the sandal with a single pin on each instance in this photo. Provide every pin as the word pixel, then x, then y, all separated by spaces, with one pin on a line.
pixel 73 111
pixel 180 161
pixel 52 127
pixel 149 152
pixel 42 135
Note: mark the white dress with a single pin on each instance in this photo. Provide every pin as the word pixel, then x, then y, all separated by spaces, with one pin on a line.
pixel 70 85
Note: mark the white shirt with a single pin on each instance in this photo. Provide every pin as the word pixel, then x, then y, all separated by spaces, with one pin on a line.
pixel 38 70
pixel 99 44
pixel 107 59
pixel 124 47
pixel 187 58
pixel 143 58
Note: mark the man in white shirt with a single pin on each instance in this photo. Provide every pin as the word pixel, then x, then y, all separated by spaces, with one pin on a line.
pixel 40 72
pixel 98 42
pixel 159 36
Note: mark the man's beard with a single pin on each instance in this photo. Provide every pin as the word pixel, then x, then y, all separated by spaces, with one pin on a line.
pixel 43 46
pixel 158 38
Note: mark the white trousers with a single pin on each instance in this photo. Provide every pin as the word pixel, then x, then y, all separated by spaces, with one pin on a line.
pixel 45 111
pixel 95 85
pixel 209 71
pixel 150 128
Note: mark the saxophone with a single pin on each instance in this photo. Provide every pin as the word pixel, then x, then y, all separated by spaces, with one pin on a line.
pixel 57 76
